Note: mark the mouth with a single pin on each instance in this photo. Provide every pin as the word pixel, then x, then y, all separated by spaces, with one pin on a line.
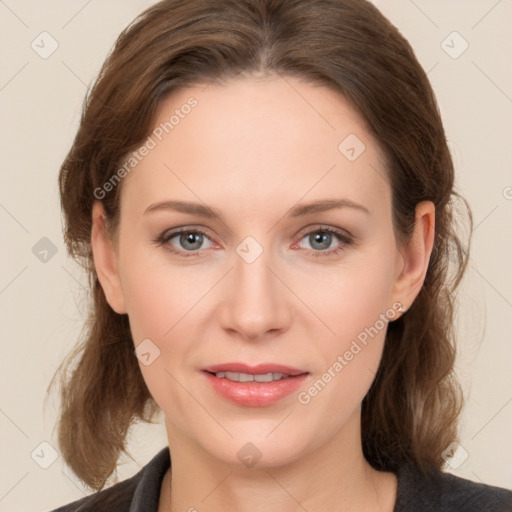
pixel 264 372
pixel 250 377
pixel 254 386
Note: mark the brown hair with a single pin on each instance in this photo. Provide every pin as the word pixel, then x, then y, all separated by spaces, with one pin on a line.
pixel 411 411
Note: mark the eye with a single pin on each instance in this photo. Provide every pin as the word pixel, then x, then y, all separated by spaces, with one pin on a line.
pixel 321 238
pixel 188 240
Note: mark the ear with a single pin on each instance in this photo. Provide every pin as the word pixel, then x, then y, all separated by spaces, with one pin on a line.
pixel 105 260
pixel 412 263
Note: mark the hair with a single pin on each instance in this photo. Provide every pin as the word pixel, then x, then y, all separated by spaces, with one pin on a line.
pixel 411 412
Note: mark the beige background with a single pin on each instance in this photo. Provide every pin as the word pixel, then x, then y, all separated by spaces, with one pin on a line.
pixel 42 303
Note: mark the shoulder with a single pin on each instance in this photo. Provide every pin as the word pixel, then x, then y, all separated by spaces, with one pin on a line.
pixel 140 492
pixel 443 492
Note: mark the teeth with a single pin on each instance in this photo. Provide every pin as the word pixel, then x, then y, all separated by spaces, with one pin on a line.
pixel 248 377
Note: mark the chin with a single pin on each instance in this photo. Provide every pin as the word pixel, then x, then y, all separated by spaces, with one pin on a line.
pixel 256 451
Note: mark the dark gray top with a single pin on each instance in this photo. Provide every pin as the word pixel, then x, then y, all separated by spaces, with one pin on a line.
pixel 436 492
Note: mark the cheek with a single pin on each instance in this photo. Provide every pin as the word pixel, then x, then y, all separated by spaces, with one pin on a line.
pixel 161 300
pixel 156 301
pixel 157 294
pixel 352 298
pixel 355 309
pixel 149 305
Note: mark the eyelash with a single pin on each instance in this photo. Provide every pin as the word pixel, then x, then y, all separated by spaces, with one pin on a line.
pixel 344 238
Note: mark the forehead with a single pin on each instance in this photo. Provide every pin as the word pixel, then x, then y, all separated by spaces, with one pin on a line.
pixel 259 141
pixel 273 113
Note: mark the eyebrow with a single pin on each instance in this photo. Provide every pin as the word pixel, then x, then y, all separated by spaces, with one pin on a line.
pixel 300 210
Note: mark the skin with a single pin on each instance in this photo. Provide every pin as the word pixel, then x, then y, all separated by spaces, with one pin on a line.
pixel 253 148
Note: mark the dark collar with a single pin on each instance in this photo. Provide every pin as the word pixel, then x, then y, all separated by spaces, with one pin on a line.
pixel 147 492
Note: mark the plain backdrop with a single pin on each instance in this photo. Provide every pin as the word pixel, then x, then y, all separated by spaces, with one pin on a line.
pixel 465 45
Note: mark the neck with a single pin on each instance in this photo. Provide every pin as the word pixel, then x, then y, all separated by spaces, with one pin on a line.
pixel 334 476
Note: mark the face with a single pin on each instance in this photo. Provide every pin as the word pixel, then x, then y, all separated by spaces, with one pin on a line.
pixel 266 281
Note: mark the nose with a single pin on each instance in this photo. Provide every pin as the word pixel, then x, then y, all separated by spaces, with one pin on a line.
pixel 257 304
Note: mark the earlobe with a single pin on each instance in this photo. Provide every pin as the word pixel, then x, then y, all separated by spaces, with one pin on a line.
pixel 105 261
pixel 415 256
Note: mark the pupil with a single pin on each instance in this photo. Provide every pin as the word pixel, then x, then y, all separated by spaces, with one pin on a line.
pixel 190 238
pixel 319 237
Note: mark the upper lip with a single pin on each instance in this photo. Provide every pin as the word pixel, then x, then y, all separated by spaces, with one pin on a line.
pixel 255 370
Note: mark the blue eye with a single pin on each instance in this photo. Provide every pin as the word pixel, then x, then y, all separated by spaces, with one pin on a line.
pixel 191 241
pixel 323 237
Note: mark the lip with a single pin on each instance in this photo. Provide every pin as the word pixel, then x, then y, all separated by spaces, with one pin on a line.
pixel 258 369
pixel 255 394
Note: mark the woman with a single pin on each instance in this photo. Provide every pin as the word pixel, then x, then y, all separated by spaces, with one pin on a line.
pixel 301 348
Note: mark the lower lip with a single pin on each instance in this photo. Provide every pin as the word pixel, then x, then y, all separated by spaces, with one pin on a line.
pixel 255 394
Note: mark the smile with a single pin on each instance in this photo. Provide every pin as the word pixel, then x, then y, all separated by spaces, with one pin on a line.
pixel 254 390
pixel 249 377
